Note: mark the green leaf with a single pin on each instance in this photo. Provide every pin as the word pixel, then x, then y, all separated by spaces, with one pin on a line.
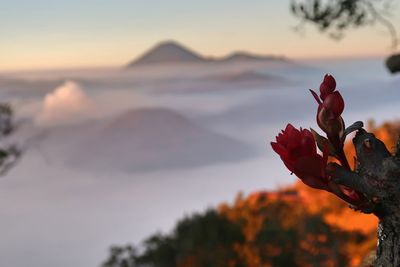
pixel 321 141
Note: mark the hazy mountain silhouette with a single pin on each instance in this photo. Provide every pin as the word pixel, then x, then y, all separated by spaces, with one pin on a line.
pixel 167 52
pixel 252 77
pixel 146 139
pixel 246 56
pixel 172 52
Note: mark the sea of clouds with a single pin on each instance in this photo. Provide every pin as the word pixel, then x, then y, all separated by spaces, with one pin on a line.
pixel 56 212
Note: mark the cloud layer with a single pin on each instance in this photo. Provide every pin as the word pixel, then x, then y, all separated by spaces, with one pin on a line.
pixel 67 104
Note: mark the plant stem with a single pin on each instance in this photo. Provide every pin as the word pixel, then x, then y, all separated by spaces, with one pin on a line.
pixel 342 158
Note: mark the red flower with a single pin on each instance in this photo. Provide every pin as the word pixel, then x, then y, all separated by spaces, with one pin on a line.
pixel 298 151
pixel 330 107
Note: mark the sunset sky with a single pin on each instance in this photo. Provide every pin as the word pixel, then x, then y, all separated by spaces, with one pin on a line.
pixel 46 34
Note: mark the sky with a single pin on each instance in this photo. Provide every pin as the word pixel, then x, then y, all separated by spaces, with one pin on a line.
pixel 45 34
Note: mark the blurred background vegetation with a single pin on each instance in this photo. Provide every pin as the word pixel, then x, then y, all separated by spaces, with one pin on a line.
pixel 293 226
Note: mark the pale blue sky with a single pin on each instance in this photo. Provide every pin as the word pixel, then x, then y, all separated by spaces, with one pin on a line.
pixel 54 33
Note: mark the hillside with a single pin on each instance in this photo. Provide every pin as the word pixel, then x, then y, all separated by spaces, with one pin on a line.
pixel 142 140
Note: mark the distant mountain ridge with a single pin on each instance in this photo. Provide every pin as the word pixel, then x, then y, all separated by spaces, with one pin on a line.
pixel 246 56
pixel 170 52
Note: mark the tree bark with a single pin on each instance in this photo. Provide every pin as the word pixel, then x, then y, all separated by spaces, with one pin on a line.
pixel 388 250
pixel 377 182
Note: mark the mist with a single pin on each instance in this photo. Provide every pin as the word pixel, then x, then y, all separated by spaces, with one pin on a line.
pixel 119 154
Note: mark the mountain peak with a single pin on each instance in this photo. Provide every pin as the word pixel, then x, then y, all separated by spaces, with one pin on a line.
pixel 171 44
pixel 167 52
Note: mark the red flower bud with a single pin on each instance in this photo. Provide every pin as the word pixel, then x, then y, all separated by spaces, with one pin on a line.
pixel 330 108
pixel 298 151
pixel 328 114
pixel 328 122
pixel 327 86
pixel 335 103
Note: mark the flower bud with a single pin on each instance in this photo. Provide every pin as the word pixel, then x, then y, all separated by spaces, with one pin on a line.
pixel 335 103
pixel 329 123
pixel 327 86
pixel 330 108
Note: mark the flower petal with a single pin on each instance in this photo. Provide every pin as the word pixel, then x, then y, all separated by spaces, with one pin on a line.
pixel 310 165
pixel 282 139
pixel 334 102
pixel 311 171
pixel 315 182
pixel 279 149
pixel 308 145
pixel 330 81
pixel 288 164
pixel 294 138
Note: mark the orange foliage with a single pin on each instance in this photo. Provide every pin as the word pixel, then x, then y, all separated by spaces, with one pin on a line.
pixel 252 211
pixel 337 213
pixel 303 199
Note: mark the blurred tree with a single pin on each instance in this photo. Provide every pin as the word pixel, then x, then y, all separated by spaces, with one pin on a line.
pixel 9 153
pixel 337 16
pixel 124 256
pixel 199 240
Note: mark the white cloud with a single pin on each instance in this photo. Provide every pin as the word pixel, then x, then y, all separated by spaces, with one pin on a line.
pixel 68 103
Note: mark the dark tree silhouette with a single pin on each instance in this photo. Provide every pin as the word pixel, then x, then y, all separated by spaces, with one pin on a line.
pixel 335 17
pixel 199 240
pixel 9 153
pixel 121 256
